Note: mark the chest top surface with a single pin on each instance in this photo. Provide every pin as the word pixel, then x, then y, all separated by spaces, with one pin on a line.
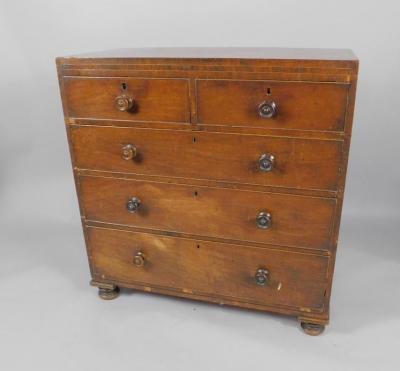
pixel 232 56
pixel 224 53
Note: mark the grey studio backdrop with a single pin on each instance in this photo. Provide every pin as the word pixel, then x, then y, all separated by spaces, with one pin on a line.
pixel 49 316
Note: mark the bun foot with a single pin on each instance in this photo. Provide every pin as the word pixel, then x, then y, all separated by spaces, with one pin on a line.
pixel 107 291
pixel 107 294
pixel 312 329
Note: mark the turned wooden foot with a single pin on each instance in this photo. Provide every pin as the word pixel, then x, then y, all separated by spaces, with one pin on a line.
pixel 107 294
pixel 107 291
pixel 312 329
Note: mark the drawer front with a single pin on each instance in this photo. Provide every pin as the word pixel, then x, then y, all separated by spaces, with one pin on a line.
pixel 259 275
pixel 289 220
pixel 297 105
pixel 150 99
pixel 259 160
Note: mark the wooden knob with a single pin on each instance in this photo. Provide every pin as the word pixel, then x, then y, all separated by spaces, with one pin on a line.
pixel 267 110
pixel 262 277
pixel 124 103
pixel 266 162
pixel 128 152
pixel 138 259
pixel 133 205
pixel 264 220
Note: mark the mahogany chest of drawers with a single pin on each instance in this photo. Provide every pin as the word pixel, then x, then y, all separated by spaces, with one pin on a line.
pixel 213 174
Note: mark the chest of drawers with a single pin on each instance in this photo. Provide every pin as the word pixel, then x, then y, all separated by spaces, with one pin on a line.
pixel 213 174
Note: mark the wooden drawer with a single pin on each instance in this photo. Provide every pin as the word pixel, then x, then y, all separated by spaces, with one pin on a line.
pixel 209 268
pixel 153 99
pixel 205 211
pixel 299 105
pixel 298 163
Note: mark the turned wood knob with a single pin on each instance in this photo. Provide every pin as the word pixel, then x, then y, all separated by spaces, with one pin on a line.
pixel 266 162
pixel 262 277
pixel 128 152
pixel 133 205
pixel 138 259
pixel 124 103
pixel 264 220
pixel 267 110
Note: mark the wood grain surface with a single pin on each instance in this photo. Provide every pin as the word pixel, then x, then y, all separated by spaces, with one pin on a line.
pixel 300 105
pixel 225 213
pixel 155 99
pixel 216 269
pixel 298 163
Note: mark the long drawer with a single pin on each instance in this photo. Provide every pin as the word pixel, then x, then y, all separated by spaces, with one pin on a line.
pixel 225 213
pixel 272 104
pixel 133 99
pixel 258 275
pixel 260 160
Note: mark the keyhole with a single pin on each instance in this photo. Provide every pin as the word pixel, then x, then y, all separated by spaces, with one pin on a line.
pixel 194 139
pixel 195 193
pixel 123 86
pixel 268 91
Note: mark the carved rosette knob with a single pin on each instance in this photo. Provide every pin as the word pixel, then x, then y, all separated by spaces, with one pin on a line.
pixel 124 103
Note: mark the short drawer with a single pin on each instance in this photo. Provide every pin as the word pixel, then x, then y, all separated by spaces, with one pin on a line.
pixel 134 99
pixel 258 275
pixel 258 160
pixel 271 104
pixel 232 214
